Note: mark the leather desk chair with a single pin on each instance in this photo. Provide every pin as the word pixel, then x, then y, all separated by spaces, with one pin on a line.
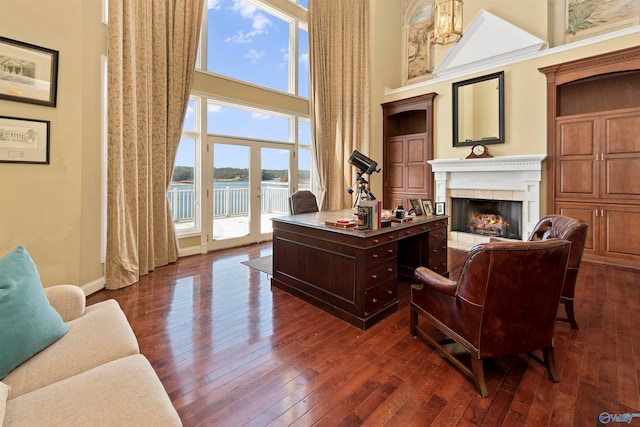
pixel 504 303
pixel 302 201
pixel 575 231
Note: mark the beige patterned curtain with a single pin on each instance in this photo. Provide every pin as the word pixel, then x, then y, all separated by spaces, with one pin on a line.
pixel 340 111
pixel 152 49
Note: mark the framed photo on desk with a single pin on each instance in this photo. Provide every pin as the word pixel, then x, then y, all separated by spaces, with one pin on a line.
pixel 439 208
pixel 416 207
pixel 427 207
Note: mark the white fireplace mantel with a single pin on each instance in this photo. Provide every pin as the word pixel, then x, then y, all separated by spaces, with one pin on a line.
pixel 504 178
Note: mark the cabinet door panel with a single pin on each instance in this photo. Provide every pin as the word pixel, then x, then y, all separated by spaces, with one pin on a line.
pixel 395 178
pixel 574 137
pixel 620 153
pixel 395 151
pixel 416 150
pixel 416 178
pixel 622 178
pixel 621 232
pixel 622 134
pixel 576 178
pixel 586 213
pixel 576 147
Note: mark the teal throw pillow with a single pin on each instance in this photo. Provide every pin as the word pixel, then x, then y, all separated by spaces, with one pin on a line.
pixel 28 323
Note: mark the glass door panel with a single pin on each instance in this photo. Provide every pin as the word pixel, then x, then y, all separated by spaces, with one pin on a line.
pixel 231 201
pixel 274 187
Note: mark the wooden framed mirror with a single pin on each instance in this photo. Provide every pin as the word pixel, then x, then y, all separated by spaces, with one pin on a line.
pixel 478 110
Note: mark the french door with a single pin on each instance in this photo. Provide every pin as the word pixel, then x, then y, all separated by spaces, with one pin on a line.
pixel 248 185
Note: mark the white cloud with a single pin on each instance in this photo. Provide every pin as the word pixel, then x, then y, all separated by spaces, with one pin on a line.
pixel 285 58
pixel 213 108
pixel 245 8
pixel 260 22
pixel 254 56
pixel 260 116
pixel 240 38
pixel 304 60
pixel 213 4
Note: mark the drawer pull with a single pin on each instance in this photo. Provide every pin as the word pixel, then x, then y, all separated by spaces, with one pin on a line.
pixel 376 240
pixel 407 232
pixel 374 276
pixel 375 300
pixel 390 292
pixel 389 270
pixel 390 251
pixel 375 255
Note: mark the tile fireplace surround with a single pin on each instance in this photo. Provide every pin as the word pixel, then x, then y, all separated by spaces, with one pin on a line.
pixel 514 178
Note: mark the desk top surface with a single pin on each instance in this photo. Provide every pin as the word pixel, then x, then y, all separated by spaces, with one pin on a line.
pixel 318 220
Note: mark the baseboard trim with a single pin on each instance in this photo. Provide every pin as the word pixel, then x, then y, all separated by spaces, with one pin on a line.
pixel 193 250
pixel 94 286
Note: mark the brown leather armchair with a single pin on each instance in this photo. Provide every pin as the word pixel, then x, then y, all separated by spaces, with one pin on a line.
pixel 504 303
pixel 302 201
pixel 575 231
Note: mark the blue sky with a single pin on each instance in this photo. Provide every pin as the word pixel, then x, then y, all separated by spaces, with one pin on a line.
pixel 246 43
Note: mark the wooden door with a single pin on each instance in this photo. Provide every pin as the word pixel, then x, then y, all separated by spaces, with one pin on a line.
pixel 576 168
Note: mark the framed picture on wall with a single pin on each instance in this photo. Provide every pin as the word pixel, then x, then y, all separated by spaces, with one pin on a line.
pixel 24 140
pixel 418 31
pixel 28 73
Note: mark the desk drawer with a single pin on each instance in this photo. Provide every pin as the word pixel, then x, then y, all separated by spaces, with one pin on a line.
pixel 429 226
pixel 438 250
pixel 380 273
pixel 379 296
pixel 382 253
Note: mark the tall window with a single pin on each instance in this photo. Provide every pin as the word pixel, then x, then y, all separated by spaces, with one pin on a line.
pixel 183 192
pixel 251 83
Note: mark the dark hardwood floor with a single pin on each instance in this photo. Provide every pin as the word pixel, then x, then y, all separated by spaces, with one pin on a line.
pixel 230 350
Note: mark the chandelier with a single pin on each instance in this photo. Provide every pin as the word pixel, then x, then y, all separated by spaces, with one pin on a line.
pixel 447 22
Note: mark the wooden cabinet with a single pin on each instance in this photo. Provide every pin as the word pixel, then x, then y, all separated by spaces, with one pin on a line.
pixel 593 151
pixel 408 144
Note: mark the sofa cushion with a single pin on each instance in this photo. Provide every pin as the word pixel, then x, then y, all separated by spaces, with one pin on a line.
pixel 29 323
pixel 103 334
pixel 4 392
pixel 124 392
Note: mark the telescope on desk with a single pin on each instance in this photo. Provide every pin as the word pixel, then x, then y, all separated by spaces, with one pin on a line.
pixel 365 166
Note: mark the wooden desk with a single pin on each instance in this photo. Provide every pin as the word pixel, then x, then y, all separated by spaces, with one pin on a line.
pixel 350 273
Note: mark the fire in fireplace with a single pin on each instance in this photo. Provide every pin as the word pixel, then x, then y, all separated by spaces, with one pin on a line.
pixel 498 218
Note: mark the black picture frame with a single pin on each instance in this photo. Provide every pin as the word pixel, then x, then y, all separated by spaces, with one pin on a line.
pixel 458 108
pixel 28 73
pixel 439 208
pixel 24 140
pixel 416 207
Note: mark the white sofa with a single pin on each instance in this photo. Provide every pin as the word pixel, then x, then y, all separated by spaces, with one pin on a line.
pixel 93 376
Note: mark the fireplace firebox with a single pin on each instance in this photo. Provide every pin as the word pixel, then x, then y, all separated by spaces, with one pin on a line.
pixel 492 218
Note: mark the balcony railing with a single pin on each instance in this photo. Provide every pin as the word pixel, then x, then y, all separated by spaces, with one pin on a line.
pixel 228 202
